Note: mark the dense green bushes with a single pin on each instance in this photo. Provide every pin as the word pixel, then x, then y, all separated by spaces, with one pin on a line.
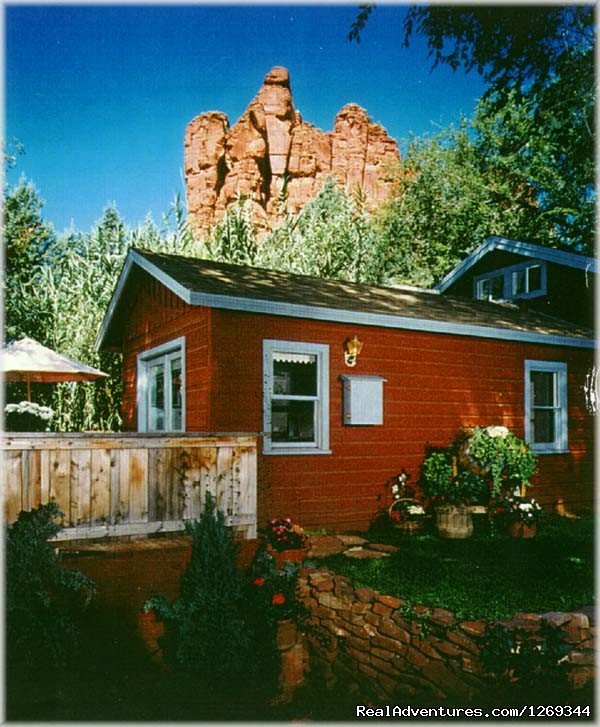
pixel 43 600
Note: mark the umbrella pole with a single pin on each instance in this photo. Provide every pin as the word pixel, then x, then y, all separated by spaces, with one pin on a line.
pixel 28 389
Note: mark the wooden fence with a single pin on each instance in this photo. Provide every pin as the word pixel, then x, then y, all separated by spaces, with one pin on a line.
pixel 126 484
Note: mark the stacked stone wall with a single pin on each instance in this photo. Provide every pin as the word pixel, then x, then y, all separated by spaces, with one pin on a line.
pixel 374 644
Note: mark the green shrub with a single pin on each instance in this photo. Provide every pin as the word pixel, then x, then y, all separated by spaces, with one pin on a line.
pixel 207 632
pixel 442 484
pixel 42 599
pixel 508 461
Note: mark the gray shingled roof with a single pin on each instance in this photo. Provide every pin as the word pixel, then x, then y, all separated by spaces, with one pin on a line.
pixel 204 282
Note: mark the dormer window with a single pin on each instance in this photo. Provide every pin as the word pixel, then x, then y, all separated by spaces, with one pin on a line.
pixel 525 280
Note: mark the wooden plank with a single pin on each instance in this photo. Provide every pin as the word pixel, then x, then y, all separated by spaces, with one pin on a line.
pixel 160 476
pixel 45 475
pixel 100 486
pixel 35 478
pixel 176 486
pixel 12 485
pixel 247 497
pixel 123 497
pixel 207 458
pixel 91 440
pixel 138 485
pixel 25 483
pixel 115 470
pixel 81 487
pixel 224 479
pixel 191 473
pixel 60 482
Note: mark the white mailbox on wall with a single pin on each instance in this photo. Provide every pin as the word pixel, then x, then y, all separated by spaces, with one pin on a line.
pixel 363 399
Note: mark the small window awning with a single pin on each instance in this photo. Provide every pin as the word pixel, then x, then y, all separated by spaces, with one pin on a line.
pixel 305 358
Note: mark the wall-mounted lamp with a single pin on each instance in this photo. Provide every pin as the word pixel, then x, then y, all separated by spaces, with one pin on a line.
pixel 352 347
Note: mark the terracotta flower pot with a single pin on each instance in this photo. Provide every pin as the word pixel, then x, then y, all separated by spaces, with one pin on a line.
pixel 293 555
pixel 518 529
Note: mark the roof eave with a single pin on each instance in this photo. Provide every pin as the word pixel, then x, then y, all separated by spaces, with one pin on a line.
pixel 295 310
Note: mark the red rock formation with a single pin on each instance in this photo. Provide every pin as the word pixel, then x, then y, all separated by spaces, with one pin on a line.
pixel 270 146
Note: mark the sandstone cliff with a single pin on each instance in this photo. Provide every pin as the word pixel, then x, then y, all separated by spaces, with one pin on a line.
pixel 272 147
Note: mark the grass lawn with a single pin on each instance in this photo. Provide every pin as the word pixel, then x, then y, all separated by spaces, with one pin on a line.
pixel 484 577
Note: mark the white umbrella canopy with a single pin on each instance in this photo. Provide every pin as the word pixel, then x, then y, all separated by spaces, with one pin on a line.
pixel 27 360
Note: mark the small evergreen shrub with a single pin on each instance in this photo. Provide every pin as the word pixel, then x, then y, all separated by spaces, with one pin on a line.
pixel 207 630
pixel 43 600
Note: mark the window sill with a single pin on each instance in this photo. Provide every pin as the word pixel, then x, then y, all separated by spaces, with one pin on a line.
pixel 290 451
pixel 543 450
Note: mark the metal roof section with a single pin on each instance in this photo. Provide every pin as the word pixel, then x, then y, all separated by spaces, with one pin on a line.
pixel 234 287
pixel 528 249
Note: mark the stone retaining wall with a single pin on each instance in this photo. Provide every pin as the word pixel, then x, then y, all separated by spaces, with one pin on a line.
pixel 372 642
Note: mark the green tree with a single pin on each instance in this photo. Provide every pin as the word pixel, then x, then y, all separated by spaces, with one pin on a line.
pixel 27 239
pixel 448 198
pixel 536 119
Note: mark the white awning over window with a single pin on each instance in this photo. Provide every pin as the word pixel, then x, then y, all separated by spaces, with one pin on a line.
pixel 305 358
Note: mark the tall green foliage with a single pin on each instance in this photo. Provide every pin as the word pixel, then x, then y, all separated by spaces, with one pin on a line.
pixel 448 197
pixel 74 283
pixel 27 238
pixel 333 237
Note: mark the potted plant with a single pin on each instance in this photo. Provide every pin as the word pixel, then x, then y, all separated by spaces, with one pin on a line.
pixel 521 515
pixel 285 541
pixel 497 455
pixel 451 493
pixel 408 515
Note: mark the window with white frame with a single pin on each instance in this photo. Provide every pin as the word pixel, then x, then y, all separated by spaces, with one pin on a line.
pixel 295 397
pixel 161 387
pixel 546 417
pixel 525 280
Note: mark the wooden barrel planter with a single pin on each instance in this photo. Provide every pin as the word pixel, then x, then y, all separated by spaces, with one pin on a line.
pixel 454 522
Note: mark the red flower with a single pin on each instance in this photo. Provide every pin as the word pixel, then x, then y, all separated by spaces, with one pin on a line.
pixel 278 599
pixel 258 581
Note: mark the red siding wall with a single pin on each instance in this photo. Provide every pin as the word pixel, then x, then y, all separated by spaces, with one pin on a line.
pixel 436 383
pixel 155 316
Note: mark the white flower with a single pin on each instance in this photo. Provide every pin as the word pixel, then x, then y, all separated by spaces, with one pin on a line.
pixel 395 488
pixel 416 510
pixel 497 431
pixel 30 407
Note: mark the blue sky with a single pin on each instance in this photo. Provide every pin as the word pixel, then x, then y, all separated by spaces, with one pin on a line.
pixel 100 95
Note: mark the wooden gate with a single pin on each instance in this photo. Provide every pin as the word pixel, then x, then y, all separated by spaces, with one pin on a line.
pixel 126 484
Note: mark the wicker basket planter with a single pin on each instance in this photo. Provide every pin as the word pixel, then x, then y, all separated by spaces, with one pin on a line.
pixel 454 522
pixel 405 525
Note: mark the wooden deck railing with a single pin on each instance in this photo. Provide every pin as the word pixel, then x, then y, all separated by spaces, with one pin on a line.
pixel 126 484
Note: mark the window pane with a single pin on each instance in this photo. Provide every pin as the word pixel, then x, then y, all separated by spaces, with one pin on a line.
pixel 535 278
pixel 542 386
pixel 519 282
pixel 293 421
pixel 156 419
pixel 296 377
pixel 498 287
pixel 176 399
pixel 492 288
pixel 543 426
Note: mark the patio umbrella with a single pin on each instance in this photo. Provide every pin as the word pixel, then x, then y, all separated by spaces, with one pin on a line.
pixel 27 360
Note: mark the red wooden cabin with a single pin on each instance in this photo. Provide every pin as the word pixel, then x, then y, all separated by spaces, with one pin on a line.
pixel 216 347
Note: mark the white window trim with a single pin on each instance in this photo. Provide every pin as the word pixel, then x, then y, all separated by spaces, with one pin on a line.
pixel 321 444
pixel 561 442
pixel 508 275
pixel 143 360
